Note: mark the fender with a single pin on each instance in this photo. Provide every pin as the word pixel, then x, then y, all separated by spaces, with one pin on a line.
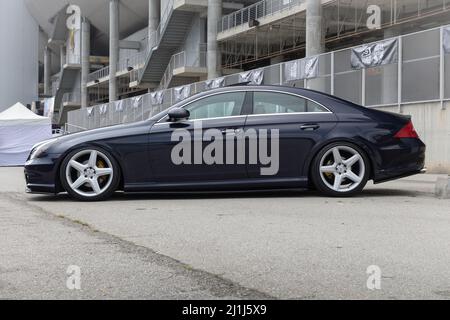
pixel 371 154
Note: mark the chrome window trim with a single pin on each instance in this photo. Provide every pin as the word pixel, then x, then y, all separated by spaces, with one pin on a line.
pixel 287 113
pixel 292 94
pixel 202 119
pixel 250 115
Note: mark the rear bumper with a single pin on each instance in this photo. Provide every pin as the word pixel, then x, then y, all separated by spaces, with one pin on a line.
pixel 406 159
pixel 403 175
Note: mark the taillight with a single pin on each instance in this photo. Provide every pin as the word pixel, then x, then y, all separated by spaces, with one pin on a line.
pixel 407 131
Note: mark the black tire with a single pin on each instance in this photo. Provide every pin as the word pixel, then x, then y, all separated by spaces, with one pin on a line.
pixel 318 181
pixel 107 192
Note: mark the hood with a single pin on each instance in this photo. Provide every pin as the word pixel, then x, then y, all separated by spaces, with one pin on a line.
pixel 70 141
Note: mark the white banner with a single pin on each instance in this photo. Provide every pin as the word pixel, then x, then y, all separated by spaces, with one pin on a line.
pixel 182 93
pixel 310 68
pixel 446 40
pixel 306 68
pixel 119 105
pixel 157 98
pixel 90 111
pixel 136 101
pixel 292 70
pixel 103 109
pixel 214 83
pixel 375 54
pixel 255 77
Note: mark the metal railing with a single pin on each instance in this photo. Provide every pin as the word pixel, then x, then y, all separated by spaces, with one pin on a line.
pixel 125 64
pixel 135 61
pixel 183 59
pixel 420 56
pixel 99 74
pixel 255 11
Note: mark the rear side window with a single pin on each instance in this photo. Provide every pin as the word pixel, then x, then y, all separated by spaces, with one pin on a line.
pixel 274 102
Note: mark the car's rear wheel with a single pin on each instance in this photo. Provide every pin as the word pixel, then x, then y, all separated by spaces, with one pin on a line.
pixel 340 169
pixel 90 174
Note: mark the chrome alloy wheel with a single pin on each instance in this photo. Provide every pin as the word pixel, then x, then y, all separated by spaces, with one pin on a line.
pixel 342 168
pixel 89 173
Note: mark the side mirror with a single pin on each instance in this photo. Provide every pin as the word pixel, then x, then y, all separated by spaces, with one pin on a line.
pixel 178 114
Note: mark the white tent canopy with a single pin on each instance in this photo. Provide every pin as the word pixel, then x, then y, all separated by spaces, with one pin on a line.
pixel 20 129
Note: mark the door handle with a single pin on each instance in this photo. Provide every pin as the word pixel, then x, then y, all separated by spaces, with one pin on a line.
pixel 310 126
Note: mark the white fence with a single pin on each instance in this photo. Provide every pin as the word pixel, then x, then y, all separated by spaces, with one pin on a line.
pixel 421 74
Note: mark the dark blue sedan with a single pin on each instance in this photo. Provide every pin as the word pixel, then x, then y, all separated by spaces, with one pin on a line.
pixel 234 138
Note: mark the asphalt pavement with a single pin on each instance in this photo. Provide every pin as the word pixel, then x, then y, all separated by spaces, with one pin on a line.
pixel 284 244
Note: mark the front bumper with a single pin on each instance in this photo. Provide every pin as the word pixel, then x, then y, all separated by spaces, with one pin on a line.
pixel 41 175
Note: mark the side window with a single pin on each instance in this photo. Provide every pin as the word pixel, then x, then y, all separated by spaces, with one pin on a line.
pixel 220 105
pixel 273 102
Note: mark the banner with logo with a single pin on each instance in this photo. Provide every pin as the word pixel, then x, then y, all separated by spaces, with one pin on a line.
pixel 157 98
pixel 90 111
pixel 310 68
pixel 307 68
pixel 292 70
pixel 118 105
pixel 255 77
pixel 103 109
pixel 182 93
pixel 446 40
pixel 136 102
pixel 214 83
pixel 375 54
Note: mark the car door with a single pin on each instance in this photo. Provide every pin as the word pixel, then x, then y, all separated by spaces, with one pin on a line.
pixel 221 112
pixel 300 122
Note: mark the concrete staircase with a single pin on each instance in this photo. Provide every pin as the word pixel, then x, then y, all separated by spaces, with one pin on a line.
pixel 171 36
pixel 69 74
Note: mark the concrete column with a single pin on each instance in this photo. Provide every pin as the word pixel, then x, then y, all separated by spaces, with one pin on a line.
pixel 62 55
pixel 315 38
pixel 47 71
pixel 85 64
pixel 154 13
pixel 113 47
pixel 214 16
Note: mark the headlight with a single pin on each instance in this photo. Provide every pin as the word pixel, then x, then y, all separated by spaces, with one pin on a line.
pixel 39 149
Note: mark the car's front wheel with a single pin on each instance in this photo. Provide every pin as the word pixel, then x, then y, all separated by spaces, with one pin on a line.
pixel 340 169
pixel 90 174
